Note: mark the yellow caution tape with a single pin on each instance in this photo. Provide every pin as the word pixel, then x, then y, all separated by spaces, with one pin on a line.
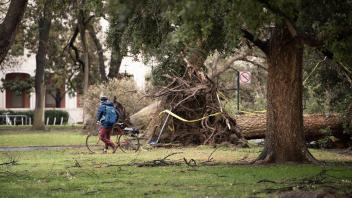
pixel 184 120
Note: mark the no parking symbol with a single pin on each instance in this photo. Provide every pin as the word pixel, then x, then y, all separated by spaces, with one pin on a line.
pixel 245 77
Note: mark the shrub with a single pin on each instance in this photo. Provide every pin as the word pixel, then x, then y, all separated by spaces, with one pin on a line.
pixel 58 114
pixel 126 92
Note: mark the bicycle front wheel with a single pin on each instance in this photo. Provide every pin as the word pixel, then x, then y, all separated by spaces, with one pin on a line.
pixel 94 144
pixel 128 143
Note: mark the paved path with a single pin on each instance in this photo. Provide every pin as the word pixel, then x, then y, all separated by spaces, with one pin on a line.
pixel 32 148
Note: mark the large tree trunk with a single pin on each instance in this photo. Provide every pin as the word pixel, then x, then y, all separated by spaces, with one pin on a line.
pixel 9 26
pixel 254 126
pixel 115 62
pixel 44 29
pixel 100 52
pixel 284 140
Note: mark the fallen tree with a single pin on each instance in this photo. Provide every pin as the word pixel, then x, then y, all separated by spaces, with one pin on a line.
pixel 192 96
pixel 142 118
pixel 254 126
pixel 190 100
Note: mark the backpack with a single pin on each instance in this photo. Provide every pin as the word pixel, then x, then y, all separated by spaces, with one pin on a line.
pixel 110 115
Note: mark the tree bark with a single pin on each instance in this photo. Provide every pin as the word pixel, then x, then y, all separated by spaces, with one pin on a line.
pixel 100 51
pixel 44 30
pixel 115 62
pixel 284 141
pixel 254 126
pixel 9 26
pixel 82 32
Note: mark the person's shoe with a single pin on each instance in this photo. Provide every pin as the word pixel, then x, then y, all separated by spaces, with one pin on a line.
pixel 105 151
pixel 115 148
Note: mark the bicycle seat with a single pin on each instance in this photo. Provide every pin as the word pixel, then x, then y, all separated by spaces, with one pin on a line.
pixel 131 130
pixel 121 125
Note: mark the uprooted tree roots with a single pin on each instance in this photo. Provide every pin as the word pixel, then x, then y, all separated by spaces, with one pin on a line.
pixel 193 96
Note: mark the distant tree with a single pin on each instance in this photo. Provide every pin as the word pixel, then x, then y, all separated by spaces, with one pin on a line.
pixel 44 23
pixel 191 30
pixel 84 12
pixel 100 52
pixel 118 25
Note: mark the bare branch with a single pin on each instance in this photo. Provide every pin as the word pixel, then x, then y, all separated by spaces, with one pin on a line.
pixel 9 26
pixel 228 64
pixel 4 3
pixel 254 63
pixel 71 45
pixel 99 49
pixel 262 45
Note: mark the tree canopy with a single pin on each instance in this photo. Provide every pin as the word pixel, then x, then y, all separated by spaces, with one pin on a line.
pixel 188 31
pixel 181 35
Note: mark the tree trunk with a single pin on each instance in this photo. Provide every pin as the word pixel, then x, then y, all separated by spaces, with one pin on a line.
pixel 254 126
pixel 100 51
pixel 82 31
pixel 284 139
pixel 115 62
pixel 44 29
pixel 9 26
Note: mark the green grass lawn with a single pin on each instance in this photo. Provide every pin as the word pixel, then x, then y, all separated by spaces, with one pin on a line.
pixel 76 173
pixel 37 138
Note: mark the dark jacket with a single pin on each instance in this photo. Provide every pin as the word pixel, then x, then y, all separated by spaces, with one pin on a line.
pixel 101 113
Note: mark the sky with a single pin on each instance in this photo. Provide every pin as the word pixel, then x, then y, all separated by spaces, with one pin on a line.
pixel 129 64
pixel 137 68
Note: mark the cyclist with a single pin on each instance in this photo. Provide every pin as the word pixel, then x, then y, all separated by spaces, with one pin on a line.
pixel 107 115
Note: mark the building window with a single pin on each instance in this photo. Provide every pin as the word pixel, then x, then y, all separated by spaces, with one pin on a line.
pixel 16 99
pixel 54 95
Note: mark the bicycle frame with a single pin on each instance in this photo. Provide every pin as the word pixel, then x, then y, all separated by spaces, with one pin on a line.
pixel 126 134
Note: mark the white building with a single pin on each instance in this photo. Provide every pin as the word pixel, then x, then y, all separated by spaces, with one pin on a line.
pixel 23 68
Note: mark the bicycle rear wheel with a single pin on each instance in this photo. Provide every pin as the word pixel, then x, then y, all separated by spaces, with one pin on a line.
pixel 128 143
pixel 94 144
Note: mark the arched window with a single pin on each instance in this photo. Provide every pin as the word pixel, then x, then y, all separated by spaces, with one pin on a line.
pixel 15 99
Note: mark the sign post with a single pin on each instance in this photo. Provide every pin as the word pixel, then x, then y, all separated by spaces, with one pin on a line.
pixel 244 78
pixel 238 90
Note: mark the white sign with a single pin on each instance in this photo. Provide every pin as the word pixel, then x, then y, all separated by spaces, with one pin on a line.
pixel 245 77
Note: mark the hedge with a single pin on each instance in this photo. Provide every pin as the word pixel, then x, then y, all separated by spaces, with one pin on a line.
pixel 51 114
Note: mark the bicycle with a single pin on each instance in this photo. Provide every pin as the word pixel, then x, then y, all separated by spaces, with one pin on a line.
pixel 126 138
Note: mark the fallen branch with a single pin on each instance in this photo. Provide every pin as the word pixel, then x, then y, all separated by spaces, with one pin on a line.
pixel 77 164
pixel 167 145
pixel 158 162
pixel 266 181
pixel 11 160
pixel 191 162
pixel 209 157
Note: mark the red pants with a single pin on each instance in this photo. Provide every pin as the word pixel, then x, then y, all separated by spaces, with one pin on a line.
pixel 104 134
